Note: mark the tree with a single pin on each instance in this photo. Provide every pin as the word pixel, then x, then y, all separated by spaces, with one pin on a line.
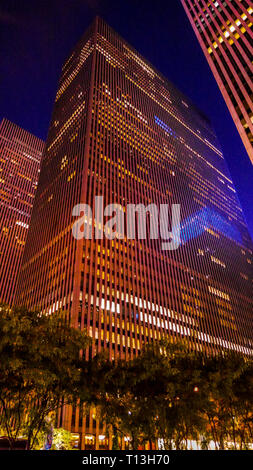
pixel 174 391
pixel 40 364
pixel 243 405
pixel 230 380
pixel 175 394
pixel 113 398
pixel 159 394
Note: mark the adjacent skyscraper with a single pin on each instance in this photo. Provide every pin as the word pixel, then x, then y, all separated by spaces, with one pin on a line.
pixel 20 157
pixel 120 130
pixel 224 31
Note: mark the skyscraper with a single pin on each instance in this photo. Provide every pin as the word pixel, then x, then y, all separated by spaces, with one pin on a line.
pixel 20 157
pixel 224 31
pixel 121 130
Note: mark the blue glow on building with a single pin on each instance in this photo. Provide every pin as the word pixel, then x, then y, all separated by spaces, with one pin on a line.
pixel 207 218
pixel 165 127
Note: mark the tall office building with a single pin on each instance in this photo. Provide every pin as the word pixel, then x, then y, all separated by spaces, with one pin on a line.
pixel 224 31
pixel 120 130
pixel 20 157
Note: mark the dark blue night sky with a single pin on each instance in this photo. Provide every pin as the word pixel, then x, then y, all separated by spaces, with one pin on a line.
pixel 36 36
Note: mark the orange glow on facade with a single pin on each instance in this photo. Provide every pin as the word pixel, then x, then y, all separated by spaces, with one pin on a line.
pixel 121 130
pixel 224 31
pixel 20 156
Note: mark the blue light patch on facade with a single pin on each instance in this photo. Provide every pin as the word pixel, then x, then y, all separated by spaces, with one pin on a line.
pixel 207 218
pixel 165 127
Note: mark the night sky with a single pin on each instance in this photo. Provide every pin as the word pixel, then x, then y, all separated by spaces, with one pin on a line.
pixel 36 36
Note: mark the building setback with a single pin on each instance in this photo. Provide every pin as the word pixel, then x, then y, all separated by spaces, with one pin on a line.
pixel 224 31
pixel 121 130
pixel 20 157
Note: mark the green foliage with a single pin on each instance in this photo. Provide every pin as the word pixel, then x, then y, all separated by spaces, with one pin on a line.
pixel 62 440
pixel 172 393
pixel 230 407
pixel 168 392
pixel 40 363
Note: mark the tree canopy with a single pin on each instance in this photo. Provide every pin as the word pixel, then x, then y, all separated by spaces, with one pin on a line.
pixel 175 395
pixel 168 394
pixel 40 364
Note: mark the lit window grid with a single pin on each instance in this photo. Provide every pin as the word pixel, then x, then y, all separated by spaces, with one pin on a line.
pixel 129 292
pixel 19 172
pixel 101 169
pixel 227 44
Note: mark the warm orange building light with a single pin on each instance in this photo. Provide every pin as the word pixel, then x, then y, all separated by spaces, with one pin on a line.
pixel 224 31
pixel 20 157
pixel 122 130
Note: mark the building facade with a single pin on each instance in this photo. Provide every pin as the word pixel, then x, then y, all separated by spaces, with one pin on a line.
pixel 20 157
pixel 224 31
pixel 120 130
